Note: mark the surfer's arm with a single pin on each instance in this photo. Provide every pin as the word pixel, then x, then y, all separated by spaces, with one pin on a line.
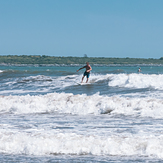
pixel 81 68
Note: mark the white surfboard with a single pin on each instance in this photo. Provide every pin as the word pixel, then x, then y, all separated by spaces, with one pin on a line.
pixel 83 83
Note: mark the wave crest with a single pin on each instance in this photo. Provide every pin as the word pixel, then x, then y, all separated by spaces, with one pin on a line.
pixel 137 81
pixel 43 143
pixel 81 105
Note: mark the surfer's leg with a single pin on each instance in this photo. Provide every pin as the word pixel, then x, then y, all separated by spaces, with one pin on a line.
pixel 87 80
pixel 82 79
pixel 83 76
pixel 87 77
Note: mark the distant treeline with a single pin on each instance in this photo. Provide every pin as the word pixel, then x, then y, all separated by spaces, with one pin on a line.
pixel 33 59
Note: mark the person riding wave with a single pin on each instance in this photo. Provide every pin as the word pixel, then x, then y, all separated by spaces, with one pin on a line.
pixel 87 71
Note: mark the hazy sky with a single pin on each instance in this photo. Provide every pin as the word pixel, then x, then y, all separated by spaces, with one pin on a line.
pixel 98 28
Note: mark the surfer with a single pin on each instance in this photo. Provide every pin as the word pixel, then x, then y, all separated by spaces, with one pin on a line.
pixel 87 71
pixel 139 70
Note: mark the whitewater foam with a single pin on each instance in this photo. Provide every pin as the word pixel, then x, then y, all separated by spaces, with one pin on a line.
pixel 49 143
pixel 81 105
pixel 43 83
pixel 137 81
pixel 115 80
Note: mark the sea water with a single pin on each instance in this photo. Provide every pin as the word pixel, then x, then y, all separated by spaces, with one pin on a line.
pixel 46 116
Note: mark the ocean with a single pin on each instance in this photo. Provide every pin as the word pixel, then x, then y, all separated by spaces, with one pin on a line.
pixel 47 116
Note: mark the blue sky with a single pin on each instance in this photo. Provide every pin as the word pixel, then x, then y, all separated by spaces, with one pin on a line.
pixel 98 28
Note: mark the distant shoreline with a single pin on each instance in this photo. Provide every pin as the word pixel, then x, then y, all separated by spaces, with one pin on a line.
pixel 76 61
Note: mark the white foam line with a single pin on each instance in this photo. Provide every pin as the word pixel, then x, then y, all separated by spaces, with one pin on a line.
pixel 82 105
pixel 137 81
pixel 45 143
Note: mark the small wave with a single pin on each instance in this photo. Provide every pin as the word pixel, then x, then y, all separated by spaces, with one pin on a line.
pixel 137 81
pixel 61 81
pixel 82 105
pixel 118 71
pixel 36 78
pixel 46 143
pixel 11 71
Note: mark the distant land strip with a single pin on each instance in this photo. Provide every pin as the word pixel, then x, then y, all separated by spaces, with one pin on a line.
pixel 43 59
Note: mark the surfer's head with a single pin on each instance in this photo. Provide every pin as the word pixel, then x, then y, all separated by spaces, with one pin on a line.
pixel 87 63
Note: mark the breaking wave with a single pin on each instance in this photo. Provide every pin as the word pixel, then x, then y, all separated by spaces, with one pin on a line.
pixel 137 81
pixel 68 103
pixel 45 143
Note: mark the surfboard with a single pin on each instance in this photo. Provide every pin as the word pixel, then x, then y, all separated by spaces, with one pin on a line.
pixel 82 83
